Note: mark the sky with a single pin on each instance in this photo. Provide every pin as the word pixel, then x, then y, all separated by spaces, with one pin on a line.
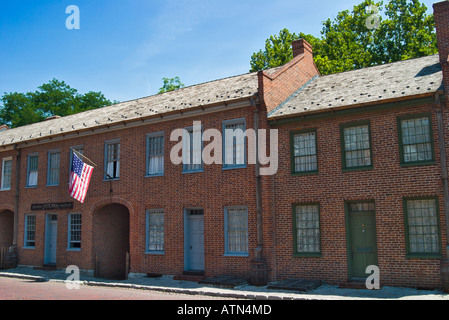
pixel 125 48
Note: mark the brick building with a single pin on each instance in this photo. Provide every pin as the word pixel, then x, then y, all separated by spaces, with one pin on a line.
pixel 361 178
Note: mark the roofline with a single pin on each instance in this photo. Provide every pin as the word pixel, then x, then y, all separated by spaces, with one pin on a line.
pixel 136 122
pixel 358 108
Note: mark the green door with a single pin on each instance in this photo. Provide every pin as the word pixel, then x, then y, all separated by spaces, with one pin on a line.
pixel 362 243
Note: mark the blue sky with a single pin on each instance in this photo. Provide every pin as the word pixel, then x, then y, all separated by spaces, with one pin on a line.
pixel 125 48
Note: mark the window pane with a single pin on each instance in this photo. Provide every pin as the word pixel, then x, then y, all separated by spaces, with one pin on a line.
pixel 155 232
pixel 234 144
pixel 53 174
pixel 423 226
pixel 192 151
pixel 237 230
pixel 30 231
pixel 357 146
pixel 75 231
pixel 32 170
pixel 307 229
pixel 155 155
pixel 6 174
pixel 416 140
pixel 304 148
pixel 113 160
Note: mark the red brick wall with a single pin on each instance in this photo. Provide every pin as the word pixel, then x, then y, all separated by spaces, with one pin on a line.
pixel 211 190
pixel 387 183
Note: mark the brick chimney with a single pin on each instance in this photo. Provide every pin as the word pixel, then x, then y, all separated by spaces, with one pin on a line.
pixel 301 46
pixel 278 84
pixel 441 14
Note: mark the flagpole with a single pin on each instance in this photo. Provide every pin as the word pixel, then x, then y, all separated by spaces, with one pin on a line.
pixel 93 163
pixel 82 155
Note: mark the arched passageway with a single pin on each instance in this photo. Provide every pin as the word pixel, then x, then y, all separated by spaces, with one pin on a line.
pixel 111 241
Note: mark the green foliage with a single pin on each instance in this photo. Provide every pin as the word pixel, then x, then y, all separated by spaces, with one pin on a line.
pixel 352 40
pixel 171 84
pixel 53 98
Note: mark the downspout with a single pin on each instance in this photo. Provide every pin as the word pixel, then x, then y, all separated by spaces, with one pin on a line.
pixel 258 251
pixel 258 273
pixel 17 195
pixel 443 163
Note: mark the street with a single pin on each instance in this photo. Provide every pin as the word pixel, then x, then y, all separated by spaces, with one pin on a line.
pixel 20 289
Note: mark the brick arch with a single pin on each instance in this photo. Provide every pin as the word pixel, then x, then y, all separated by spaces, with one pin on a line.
pixel 4 207
pixel 111 200
pixel 111 238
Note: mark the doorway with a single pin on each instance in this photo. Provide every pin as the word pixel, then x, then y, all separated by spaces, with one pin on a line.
pixel 51 236
pixel 362 238
pixel 194 240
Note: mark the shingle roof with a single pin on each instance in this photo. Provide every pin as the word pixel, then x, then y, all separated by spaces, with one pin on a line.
pixel 397 80
pixel 209 93
pixel 369 85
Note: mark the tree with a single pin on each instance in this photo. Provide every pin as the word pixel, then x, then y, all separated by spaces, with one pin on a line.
pixel 171 84
pixel 360 38
pixel 53 98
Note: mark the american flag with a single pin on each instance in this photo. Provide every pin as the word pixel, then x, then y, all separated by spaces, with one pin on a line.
pixel 79 179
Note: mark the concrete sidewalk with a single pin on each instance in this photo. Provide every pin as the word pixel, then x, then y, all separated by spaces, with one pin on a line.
pixel 167 284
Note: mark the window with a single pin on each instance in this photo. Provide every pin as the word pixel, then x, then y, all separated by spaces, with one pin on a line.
pixel 6 174
pixel 53 168
pixel 112 159
pixel 304 152
pixel 30 231
pixel 422 227
pixel 356 146
pixel 234 144
pixel 155 154
pixel 307 237
pixel 415 140
pixel 236 231
pixel 192 148
pixel 32 172
pixel 155 231
pixel 74 231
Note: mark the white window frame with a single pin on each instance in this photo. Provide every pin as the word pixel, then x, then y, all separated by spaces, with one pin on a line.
pixel 158 229
pixel 28 185
pixel 237 145
pixel 155 155
pixel 70 226
pixel 50 167
pixel 108 162
pixel 26 233
pixel 228 230
pixel 3 188
pixel 189 155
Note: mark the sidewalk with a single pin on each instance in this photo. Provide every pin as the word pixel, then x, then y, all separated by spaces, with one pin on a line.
pixel 167 284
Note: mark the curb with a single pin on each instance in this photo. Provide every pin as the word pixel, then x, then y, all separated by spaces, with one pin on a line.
pixel 232 295
pixel 23 276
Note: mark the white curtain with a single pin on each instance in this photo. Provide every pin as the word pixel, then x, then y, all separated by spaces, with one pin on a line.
pixel 32 178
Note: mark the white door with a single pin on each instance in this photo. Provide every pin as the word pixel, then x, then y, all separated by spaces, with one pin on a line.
pixel 51 239
pixel 196 242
